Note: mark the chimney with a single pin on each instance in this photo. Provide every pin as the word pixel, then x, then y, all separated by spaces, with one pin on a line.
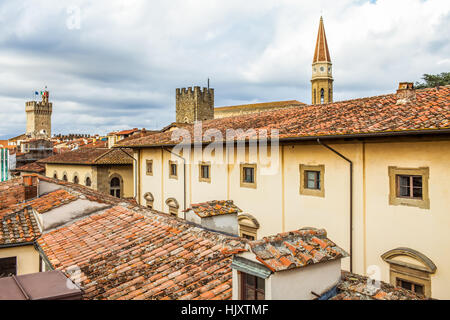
pixel 406 92
pixel 30 184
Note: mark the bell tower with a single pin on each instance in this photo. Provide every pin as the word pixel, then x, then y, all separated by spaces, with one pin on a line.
pixel 322 79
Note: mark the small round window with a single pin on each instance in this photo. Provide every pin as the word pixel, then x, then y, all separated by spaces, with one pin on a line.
pixel 321 69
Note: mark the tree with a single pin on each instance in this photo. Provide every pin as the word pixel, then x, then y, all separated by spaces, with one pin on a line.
pixel 434 80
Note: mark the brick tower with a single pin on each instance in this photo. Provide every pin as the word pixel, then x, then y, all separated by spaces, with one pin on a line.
pixel 322 79
pixel 194 104
pixel 39 117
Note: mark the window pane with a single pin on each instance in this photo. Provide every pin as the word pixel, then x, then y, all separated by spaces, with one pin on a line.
pixel 260 283
pixel 404 181
pixel 404 191
pixel 250 280
pixel 205 172
pixel 417 182
pixel 260 295
pixel 418 289
pixel 405 284
pixel 417 192
pixel 248 175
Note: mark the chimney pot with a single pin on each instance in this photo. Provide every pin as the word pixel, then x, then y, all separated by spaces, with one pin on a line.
pixel 406 92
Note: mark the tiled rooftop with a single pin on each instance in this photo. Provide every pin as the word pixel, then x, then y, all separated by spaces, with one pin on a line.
pixel 357 287
pixel 372 115
pixel 295 249
pixel 92 156
pixel 262 105
pixel 18 227
pixel 35 167
pixel 123 254
pixel 214 208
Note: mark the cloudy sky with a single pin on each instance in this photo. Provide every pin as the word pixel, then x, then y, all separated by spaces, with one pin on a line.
pixel 115 64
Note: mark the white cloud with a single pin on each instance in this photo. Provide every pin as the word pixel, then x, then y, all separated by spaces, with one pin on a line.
pixel 121 67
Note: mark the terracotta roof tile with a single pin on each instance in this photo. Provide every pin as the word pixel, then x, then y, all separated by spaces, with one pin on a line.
pixel 18 227
pixel 374 115
pixel 93 156
pixel 295 249
pixel 214 208
pixel 35 167
pixel 356 287
pixel 124 254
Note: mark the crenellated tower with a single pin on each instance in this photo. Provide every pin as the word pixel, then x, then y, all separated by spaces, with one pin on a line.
pixel 194 104
pixel 322 79
pixel 39 117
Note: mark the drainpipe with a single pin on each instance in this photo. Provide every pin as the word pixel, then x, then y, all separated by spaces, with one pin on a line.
pixel 135 173
pixel 184 175
pixel 351 198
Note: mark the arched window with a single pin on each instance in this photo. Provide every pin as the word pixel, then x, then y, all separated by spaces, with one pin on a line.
pixel 88 182
pixel 55 175
pixel 410 269
pixel 149 199
pixel 76 180
pixel 65 177
pixel 114 187
pixel 322 95
pixel 173 206
pixel 248 226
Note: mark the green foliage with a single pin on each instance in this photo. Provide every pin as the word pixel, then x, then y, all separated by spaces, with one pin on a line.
pixel 434 80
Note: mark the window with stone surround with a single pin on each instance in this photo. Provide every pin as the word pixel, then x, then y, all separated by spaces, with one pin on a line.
pixel 173 169
pixel 248 175
pixel 312 180
pixel 149 167
pixel 409 187
pixel 410 269
pixel 204 174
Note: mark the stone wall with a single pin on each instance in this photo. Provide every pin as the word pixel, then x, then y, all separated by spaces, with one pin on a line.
pixel 194 104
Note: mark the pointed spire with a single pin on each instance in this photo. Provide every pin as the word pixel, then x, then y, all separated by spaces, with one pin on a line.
pixel 321 53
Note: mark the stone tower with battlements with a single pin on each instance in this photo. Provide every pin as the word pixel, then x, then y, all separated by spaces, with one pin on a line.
pixel 194 104
pixel 39 117
pixel 322 79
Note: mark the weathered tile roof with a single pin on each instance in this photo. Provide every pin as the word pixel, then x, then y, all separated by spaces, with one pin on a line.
pixel 123 254
pixel 35 167
pixel 295 249
pixel 11 193
pixel 92 156
pixel 214 208
pixel 374 115
pixel 356 287
pixel 262 105
pixel 42 204
pixel 18 227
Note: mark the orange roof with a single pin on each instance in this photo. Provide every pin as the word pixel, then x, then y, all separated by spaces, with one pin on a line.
pixel 35 167
pixel 92 156
pixel 321 53
pixel 125 255
pixel 18 227
pixel 295 249
pixel 379 115
pixel 262 105
pixel 214 208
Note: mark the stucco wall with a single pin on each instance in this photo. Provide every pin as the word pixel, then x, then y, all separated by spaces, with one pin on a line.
pixel 27 258
pixel 377 226
pixel 297 284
